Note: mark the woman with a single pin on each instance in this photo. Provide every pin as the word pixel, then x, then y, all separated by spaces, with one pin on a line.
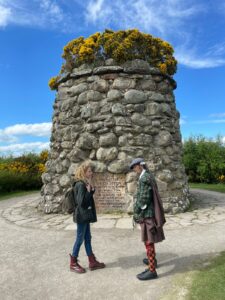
pixel 84 214
pixel 148 212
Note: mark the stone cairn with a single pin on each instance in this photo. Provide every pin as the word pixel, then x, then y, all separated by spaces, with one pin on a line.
pixel 111 114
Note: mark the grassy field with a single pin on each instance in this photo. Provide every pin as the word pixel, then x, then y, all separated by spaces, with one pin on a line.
pixel 5 196
pixel 210 187
pixel 205 282
pixel 209 282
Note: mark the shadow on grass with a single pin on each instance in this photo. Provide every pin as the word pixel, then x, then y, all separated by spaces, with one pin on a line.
pixel 169 263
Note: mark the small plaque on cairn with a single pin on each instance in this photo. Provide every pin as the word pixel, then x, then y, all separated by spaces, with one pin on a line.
pixel 110 191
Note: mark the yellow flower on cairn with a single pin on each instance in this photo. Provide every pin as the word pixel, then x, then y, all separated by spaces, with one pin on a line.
pixel 122 45
pixel 163 68
pixel 53 82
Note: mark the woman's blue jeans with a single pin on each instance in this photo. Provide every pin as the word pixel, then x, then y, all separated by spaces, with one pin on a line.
pixel 83 235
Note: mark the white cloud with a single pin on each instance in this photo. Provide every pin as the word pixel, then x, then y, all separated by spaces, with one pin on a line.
pixel 182 121
pixel 39 129
pixel 143 13
pixel 18 149
pixel 44 13
pixel 218 121
pixel 179 8
pixel 10 137
pixel 218 49
pixel 9 134
pixel 51 10
pixel 218 115
pixel 5 138
pixel 148 15
pixel 5 15
pixel 95 9
pixel 195 62
pixel 171 20
pixel 190 57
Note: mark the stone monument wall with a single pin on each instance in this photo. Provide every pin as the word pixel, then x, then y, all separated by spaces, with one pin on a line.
pixel 111 114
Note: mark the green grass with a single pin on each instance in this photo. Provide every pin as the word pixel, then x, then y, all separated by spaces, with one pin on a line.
pixel 220 187
pixel 206 281
pixel 209 282
pixel 4 196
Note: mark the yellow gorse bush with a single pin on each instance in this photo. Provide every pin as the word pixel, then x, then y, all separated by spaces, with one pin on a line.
pixel 32 167
pixel 221 178
pixel 41 168
pixel 16 167
pixel 44 155
pixel 120 45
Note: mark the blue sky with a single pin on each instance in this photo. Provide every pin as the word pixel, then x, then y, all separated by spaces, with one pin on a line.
pixel 33 33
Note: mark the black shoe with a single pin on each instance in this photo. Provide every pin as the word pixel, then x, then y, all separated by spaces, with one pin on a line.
pixel 146 270
pixel 147 275
pixel 145 261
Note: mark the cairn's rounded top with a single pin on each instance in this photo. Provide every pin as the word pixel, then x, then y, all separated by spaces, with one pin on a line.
pixel 121 46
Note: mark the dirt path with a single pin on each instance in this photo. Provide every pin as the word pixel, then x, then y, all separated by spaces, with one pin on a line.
pixel 34 262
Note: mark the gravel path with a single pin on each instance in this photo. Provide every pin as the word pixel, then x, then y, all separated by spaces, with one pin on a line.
pixel 34 251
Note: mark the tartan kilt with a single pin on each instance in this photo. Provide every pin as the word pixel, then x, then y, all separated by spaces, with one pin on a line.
pixel 150 232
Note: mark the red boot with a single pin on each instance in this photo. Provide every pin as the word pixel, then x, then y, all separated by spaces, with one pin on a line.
pixel 94 264
pixel 74 266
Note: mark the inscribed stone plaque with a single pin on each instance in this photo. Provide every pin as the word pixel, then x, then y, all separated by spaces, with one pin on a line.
pixel 110 191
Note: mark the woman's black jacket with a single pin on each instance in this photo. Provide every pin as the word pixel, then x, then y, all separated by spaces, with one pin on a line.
pixel 85 211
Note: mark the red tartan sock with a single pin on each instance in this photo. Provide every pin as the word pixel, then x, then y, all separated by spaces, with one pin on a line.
pixel 154 248
pixel 150 250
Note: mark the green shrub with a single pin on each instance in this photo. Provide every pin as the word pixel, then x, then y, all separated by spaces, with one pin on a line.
pixel 22 173
pixel 204 160
pixel 11 181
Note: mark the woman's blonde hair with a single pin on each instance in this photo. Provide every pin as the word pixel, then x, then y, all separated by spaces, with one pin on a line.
pixel 81 170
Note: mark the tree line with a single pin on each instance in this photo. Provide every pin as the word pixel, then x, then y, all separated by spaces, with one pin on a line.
pixel 23 172
pixel 204 162
pixel 204 159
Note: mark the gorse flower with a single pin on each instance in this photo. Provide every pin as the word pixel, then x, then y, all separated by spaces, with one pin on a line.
pixel 221 178
pixel 17 167
pixel 120 45
pixel 44 156
pixel 41 168
pixel 24 164
pixel 53 82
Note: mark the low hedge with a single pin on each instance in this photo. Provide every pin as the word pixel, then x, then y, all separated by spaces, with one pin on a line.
pixel 22 173
pixel 11 181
